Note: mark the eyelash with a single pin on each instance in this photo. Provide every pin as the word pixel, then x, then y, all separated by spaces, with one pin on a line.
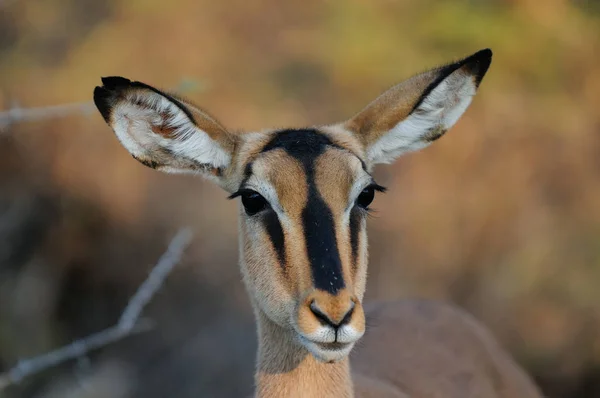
pixel 377 187
pixel 240 192
pixel 366 197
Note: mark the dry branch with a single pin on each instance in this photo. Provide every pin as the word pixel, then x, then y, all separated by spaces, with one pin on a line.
pixel 17 114
pixel 128 324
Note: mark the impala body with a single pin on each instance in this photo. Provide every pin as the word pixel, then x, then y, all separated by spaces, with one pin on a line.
pixel 304 196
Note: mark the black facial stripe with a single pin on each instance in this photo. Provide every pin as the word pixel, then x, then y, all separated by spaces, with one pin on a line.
pixel 354 226
pixel 273 227
pixel 304 145
pixel 321 243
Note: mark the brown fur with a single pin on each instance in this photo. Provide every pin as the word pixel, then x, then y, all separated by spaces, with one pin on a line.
pixel 438 352
pixel 414 349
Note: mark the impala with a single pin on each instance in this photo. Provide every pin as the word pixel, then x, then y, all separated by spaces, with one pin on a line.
pixel 305 194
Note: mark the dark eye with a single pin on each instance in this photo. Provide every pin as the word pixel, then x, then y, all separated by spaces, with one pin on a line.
pixel 366 197
pixel 253 202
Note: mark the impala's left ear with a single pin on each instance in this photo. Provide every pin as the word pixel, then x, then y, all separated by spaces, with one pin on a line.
pixel 413 114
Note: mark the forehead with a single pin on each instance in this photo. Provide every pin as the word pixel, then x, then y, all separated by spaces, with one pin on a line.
pixel 293 160
pixel 306 145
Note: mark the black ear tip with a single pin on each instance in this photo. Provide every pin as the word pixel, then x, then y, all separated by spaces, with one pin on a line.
pixel 115 82
pixel 105 96
pixel 104 100
pixel 485 53
pixel 479 63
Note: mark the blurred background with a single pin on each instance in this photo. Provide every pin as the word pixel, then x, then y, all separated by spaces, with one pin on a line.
pixel 501 216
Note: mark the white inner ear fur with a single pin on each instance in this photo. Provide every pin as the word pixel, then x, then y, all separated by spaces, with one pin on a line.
pixel 438 111
pixel 133 126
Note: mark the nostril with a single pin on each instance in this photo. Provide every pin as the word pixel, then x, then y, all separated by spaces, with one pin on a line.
pixel 326 320
pixel 320 315
pixel 346 319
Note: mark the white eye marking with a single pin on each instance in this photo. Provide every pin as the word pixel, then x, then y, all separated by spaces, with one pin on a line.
pixel 361 183
pixel 267 190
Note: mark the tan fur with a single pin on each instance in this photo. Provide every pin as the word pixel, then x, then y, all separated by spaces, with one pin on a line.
pixel 286 369
pixel 335 306
pixel 393 106
pixel 416 349
pixel 212 127
pixel 287 177
pixel 390 107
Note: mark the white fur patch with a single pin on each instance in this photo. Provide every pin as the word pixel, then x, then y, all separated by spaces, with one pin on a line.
pixel 438 111
pixel 326 355
pixel 348 334
pixel 266 189
pixel 323 334
pixel 133 124
pixel 357 187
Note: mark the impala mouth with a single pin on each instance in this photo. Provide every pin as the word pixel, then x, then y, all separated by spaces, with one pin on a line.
pixel 332 346
pixel 327 352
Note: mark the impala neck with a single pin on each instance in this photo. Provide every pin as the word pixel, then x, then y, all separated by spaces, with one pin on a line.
pixel 287 369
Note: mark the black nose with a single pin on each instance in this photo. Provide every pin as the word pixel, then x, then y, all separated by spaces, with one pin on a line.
pixel 327 320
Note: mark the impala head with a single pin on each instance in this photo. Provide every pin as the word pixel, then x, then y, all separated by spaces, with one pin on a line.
pixel 304 193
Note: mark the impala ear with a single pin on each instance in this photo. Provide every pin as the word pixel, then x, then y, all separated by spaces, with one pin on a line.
pixel 163 132
pixel 413 114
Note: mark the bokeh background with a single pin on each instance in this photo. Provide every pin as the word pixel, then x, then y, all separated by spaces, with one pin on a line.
pixel 501 216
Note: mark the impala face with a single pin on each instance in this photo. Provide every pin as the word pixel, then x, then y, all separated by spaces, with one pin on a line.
pixel 304 193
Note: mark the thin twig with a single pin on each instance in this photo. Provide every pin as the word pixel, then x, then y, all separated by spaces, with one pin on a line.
pixel 155 280
pixel 129 322
pixel 18 114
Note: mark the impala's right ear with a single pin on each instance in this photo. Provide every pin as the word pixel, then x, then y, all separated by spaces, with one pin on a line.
pixel 163 132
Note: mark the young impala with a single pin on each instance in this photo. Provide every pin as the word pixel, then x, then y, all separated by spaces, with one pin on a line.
pixel 305 194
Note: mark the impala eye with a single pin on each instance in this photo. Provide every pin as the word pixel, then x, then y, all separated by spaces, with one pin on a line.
pixel 367 195
pixel 253 202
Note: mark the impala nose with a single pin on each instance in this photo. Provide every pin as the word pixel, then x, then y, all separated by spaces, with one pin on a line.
pixel 336 315
pixel 329 325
